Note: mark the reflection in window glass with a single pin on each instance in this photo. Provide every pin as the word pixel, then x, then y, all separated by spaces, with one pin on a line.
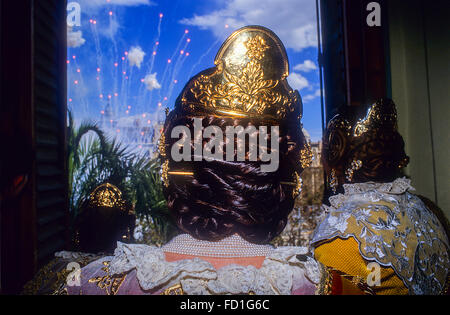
pixel 128 60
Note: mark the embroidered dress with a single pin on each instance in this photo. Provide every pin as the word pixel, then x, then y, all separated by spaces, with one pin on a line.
pixel 391 227
pixel 143 269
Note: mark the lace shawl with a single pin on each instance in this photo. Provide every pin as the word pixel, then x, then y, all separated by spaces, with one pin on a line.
pixel 197 276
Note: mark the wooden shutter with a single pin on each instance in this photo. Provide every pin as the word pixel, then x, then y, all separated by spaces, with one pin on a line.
pixel 49 94
pixel 33 225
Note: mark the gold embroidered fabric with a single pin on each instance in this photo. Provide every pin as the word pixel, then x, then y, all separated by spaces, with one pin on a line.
pixel 109 283
pixel 349 285
pixel 173 290
pixel 394 228
pixel 51 278
pixel 325 286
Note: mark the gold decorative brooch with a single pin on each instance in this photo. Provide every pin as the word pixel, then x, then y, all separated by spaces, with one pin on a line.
pixel 162 144
pixel 306 156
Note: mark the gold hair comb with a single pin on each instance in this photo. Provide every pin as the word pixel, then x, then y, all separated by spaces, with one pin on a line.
pixel 306 155
pixel 164 172
pixel 248 80
pixel 109 196
pixel 297 183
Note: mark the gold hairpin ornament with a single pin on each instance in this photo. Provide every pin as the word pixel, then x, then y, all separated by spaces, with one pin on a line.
pixel 356 165
pixel 306 156
pixel 164 172
pixel 333 180
pixel 297 183
pixel 162 144
pixel 403 163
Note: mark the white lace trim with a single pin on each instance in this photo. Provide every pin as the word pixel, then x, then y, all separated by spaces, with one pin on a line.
pixel 196 276
pixel 397 187
pixel 230 247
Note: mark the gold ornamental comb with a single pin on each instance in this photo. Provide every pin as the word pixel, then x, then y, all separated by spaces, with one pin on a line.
pixel 248 80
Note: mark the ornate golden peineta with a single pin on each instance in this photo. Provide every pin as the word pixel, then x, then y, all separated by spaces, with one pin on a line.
pixel 107 195
pixel 246 92
pixel 256 47
pixel 381 113
pixel 249 78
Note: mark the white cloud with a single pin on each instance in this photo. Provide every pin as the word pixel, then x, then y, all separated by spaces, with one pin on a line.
pixel 111 30
pixel 297 81
pixel 310 97
pixel 136 56
pixel 74 39
pixel 292 20
pixel 151 82
pixel 306 66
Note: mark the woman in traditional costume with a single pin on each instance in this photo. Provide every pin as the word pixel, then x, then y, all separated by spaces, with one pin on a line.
pixel 377 237
pixel 227 205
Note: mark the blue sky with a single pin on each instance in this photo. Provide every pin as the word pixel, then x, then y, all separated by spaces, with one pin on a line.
pixel 137 55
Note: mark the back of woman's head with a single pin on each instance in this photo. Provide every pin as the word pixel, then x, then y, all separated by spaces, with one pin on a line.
pixel 233 190
pixel 363 147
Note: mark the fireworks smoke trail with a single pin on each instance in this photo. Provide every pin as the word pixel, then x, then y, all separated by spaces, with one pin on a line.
pixel 99 55
pixel 127 84
pixel 123 86
pixel 80 84
pixel 178 64
pixel 155 45
pixel 204 55
pixel 169 62
pixel 142 95
pixel 116 66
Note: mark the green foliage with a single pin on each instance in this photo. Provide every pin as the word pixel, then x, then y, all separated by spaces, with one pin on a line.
pixel 94 159
pixel 150 205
